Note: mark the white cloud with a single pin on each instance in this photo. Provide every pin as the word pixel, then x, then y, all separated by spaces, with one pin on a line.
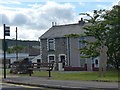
pixel 34 21
pixel 116 2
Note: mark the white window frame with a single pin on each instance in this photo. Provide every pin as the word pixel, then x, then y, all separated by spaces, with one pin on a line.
pixel 51 55
pixel 48 44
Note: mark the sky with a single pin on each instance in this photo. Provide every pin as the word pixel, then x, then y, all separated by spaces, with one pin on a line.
pixel 35 17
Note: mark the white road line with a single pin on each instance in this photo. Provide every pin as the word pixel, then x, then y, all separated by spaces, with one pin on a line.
pixel 25 86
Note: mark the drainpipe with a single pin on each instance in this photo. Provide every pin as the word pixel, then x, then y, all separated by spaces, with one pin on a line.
pixel 68 50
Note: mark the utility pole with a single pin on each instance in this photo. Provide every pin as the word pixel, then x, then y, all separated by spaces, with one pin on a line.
pixel 6 33
pixel 16 45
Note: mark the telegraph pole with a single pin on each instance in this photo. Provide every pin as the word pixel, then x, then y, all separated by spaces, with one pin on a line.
pixel 16 45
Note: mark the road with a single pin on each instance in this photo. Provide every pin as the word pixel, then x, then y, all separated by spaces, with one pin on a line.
pixel 9 86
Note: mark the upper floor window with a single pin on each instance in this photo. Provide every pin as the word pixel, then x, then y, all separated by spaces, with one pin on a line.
pixel 51 44
pixel 81 42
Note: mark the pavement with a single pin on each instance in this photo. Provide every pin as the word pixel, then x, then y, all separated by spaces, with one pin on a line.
pixel 62 84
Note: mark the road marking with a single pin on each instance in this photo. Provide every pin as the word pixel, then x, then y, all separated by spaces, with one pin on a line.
pixel 25 86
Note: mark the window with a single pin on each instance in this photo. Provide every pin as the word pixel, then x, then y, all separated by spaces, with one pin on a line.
pixel 51 44
pixel 81 43
pixel 51 58
pixel 96 62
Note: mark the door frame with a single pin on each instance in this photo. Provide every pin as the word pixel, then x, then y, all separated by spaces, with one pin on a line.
pixel 60 58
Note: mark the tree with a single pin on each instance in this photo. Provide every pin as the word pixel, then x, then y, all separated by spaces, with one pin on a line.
pixel 96 28
pixel 104 26
pixel 113 41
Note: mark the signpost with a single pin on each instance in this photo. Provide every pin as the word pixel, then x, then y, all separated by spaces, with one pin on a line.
pixel 6 33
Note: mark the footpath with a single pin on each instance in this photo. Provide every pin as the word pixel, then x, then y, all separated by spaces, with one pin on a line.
pixel 62 84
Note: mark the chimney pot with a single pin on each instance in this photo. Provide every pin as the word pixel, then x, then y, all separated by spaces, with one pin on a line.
pixel 81 22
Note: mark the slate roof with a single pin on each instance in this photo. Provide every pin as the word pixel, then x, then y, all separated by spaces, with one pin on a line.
pixel 62 30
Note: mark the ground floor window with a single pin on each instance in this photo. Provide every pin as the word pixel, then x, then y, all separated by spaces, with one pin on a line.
pixel 51 58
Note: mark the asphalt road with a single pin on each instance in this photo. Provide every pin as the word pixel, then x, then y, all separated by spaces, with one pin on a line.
pixel 8 86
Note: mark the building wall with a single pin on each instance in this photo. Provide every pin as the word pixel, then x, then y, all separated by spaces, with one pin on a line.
pixel 74 52
pixel 70 48
pixel 44 52
pixel 89 64
pixel 60 48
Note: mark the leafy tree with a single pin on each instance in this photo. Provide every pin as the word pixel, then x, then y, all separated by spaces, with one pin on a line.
pixel 113 41
pixel 104 26
pixel 96 28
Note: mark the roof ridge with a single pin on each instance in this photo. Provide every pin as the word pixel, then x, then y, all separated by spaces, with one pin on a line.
pixel 66 25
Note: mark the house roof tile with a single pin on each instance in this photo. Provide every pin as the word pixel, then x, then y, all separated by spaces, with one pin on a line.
pixel 62 30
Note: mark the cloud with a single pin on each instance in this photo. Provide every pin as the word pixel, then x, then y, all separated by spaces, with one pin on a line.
pixel 4 19
pixel 19 19
pixel 116 2
pixel 36 19
pixel 40 17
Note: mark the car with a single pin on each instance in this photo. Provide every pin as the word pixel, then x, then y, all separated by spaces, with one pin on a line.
pixel 21 66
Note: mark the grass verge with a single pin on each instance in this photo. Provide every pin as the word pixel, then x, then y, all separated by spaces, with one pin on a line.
pixel 87 76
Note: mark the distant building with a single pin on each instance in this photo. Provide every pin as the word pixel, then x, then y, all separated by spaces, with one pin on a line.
pixel 64 51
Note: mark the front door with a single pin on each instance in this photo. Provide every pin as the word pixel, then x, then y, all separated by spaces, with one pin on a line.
pixel 62 60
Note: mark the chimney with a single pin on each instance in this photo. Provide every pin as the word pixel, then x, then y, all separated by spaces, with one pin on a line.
pixel 55 23
pixel 81 22
pixel 52 23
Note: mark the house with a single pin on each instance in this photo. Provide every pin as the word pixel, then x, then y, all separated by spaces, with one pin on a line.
pixel 64 51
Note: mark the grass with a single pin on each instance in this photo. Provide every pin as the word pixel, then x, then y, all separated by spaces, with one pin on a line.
pixel 110 75
pixel 56 75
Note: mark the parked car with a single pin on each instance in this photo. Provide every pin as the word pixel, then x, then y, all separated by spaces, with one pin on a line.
pixel 21 66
